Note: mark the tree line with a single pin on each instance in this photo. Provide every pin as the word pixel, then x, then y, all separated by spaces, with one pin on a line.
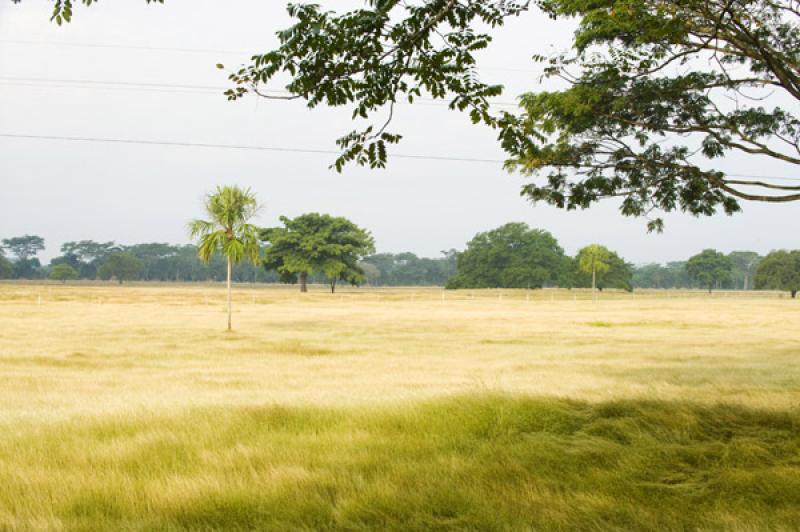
pixel 319 248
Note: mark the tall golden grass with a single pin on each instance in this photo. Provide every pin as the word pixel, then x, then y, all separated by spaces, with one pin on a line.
pixel 132 407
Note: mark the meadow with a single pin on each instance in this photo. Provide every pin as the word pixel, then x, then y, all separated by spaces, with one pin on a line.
pixel 130 407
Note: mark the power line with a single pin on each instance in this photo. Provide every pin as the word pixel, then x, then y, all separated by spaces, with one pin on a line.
pixel 197 51
pixel 234 147
pixel 291 150
pixel 173 87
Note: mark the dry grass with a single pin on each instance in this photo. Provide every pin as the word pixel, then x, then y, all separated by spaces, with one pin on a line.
pixel 110 398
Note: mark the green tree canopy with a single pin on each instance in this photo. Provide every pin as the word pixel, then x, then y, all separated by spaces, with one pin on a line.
pixel 6 268
pixel 121 266
pixel 228 230
pixel 24 247
pixel 511 256
pixel 670 275
pixel 407 269
pixel 780 270
pixel 317 243
pixel 710 268
pixel 744 267
pixel 714 77
pixel 63 272
pixel 612 270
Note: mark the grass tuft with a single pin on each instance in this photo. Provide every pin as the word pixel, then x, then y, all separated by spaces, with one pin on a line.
pixel 476 461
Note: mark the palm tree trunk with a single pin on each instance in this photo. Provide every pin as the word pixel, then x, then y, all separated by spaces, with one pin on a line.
pixel 229 293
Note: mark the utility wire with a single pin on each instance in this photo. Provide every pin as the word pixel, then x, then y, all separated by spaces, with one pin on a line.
pixel 173 87
pixel 197 51
pixel 234 147
pixel 291 150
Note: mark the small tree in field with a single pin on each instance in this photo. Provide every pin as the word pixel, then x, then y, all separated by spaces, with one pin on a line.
pixel 317 243
pixel 710 268
pixel 63 273
pixel 594 259
pixel 780 270
pixel 120 266
pixel 227 230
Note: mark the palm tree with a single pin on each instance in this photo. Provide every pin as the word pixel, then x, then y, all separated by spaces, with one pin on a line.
pixel 593 259
pixel 227 231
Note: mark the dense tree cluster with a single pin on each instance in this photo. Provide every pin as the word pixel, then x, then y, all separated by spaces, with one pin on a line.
pixel 407 269
pixel 329 250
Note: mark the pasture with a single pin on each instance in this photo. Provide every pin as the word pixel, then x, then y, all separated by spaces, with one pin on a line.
pixel 130 407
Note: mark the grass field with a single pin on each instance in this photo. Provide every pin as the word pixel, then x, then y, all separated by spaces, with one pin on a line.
pixel 130 407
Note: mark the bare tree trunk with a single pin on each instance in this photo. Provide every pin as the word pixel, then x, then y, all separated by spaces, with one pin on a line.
pixel 794 294
pixel 229 293
pixel 333 285
pixel 594 282
pixel 303 278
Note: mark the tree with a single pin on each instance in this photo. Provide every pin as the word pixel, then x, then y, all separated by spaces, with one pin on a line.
pixel 639 71
pixel 85 256
pixel 63 272
pixel 6 268
pixel 744 265
pixel 228 230
pixel 598 267
pixel 779 270
pixel 317 243
pixel 511 256
pixel 671 275
pixel 709 268
pixel 24 247
pixel 407 269
pixel 121 266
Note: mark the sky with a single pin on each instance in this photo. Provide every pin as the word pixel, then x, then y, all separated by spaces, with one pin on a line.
pixel 127 70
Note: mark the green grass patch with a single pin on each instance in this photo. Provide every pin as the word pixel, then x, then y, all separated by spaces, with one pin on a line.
pixel 471 462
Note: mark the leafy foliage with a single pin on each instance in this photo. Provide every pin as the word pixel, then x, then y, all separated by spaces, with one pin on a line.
pixel 24 247
pixel 780 270
pixel 511 256
pixel 121 266
pixel 317 243
pixel 669 275
pixel 611 270
pixel 227 230
pixel 371 58
pixel 658 91
pixel 63 272
pixel 62 9
pixel 6 268
pixel 407 269
pixel 710 268
pixel 744 267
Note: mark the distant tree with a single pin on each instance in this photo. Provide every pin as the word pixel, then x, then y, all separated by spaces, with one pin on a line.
pixel 710 268
pixel 593 259
pixel 407 269
pixel 317 243
pixel 121 266
pixel 6 268
pixel 85 256
pixel 511 256
pixel 228 230
pixel 27 269
pixel 24 247
pixel 780 270
pixel 744 266
pixel 63 272
pixel 619 273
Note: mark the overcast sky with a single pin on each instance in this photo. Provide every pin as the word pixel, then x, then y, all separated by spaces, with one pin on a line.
pixel 50 84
